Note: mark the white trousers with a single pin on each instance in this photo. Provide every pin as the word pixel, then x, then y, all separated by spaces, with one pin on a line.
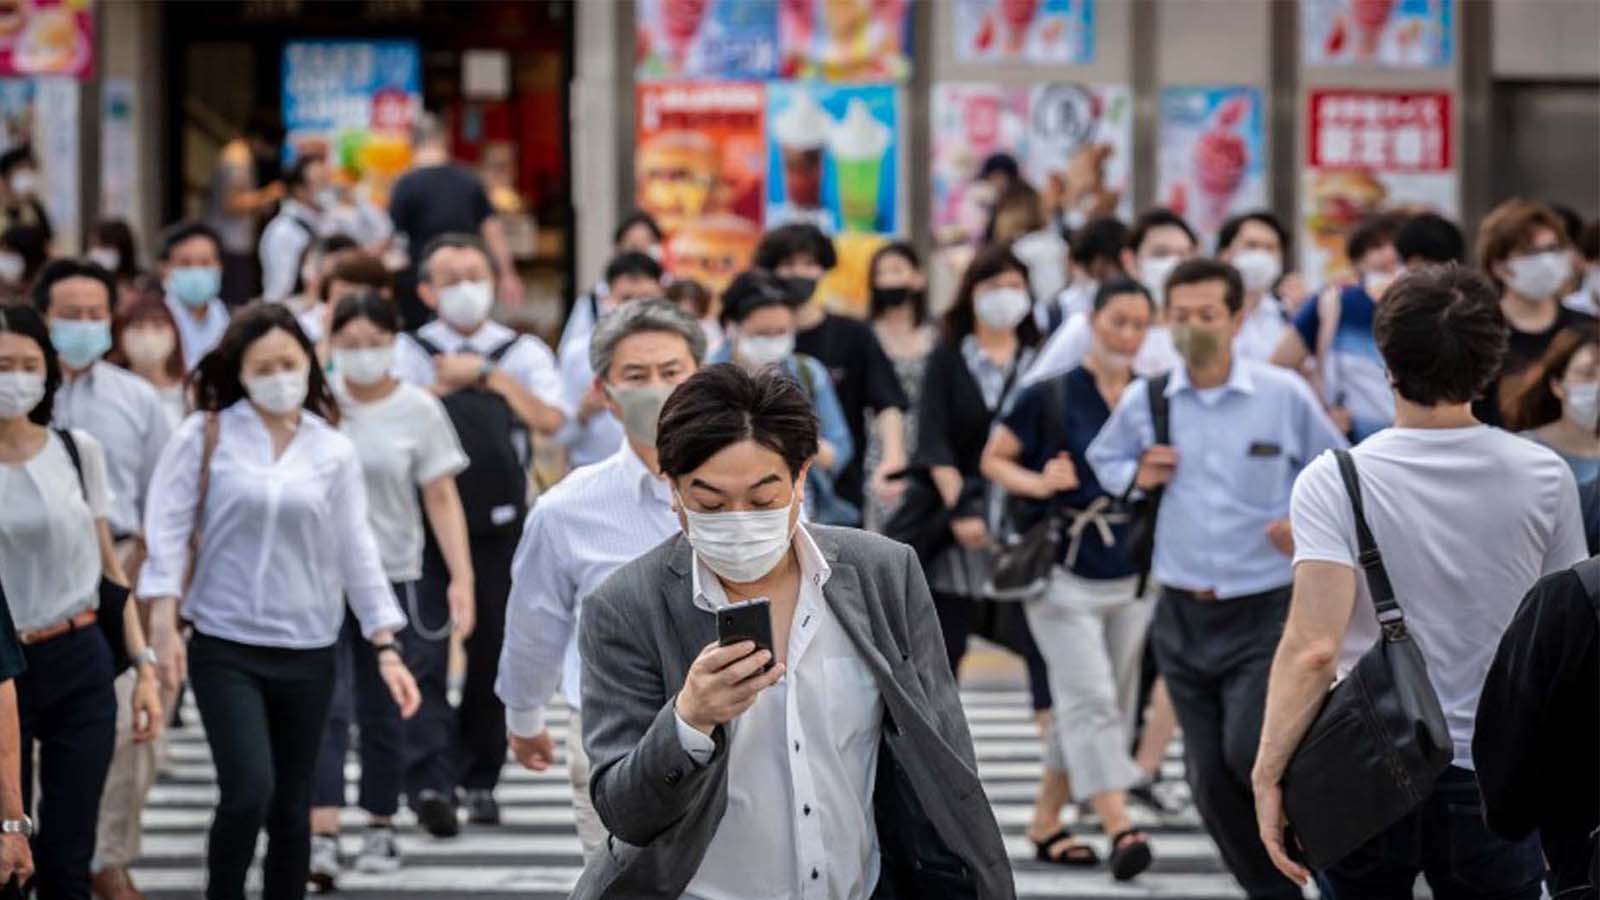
pixel 591 833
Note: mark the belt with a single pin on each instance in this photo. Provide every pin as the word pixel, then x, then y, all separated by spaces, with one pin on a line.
pixel 1100 515
pixel 51 632
pixel 1210 596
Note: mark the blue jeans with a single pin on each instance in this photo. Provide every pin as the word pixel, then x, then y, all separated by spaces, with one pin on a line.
pixel 1446 840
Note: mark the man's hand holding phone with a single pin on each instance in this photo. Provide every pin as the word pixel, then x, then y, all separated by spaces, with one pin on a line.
pixel 723 682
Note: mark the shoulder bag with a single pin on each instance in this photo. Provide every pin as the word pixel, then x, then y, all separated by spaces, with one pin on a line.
pixel 1024 560
pixel 1380 741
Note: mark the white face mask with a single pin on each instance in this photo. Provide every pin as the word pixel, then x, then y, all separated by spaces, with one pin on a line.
pixel 148 346
pixel 740 546
pixel 364 366
pixel 766 350
pixel 1153 273
pixel 1001 308
pixel 1376 283
pixel 1539 275
pixel 11 267
pixel 466 304
pixel 280 393
pixel 24 183
pixel 1582 406
pixel 20 392
pixel 106 258
pixel 1259 269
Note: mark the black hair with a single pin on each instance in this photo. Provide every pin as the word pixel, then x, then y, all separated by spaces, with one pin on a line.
pixel 917 299
pixel 1442 334
pixel 635 264
pixel 1370 234
pixel 20 155
pixel 369 305
pixel 1100 239
pixel 322 248
pixel 1000 164
pixel 1158 217
pixel 751 290
pixel 785 242
pixel 355 267
pixel 32 244
pixel 58 270
pixel 18 318
pixel 990 261
pixel 633 219
pixel 216 382
pixel 299 172
pixel 1231 228
pixel 459 240
pixel 266 124
pixel 722 405
pixel 117 234
pixel 1118 286
pixel 1432 238
pixel 1589 241
pixel 182 231
pixel 1571 222
pixel 1201 269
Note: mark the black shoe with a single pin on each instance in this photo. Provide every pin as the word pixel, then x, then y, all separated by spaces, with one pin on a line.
pixel 482 809
pixel 1145 794
pixel 436 814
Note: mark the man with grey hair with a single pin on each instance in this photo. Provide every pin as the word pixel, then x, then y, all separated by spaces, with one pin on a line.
pixel 594 521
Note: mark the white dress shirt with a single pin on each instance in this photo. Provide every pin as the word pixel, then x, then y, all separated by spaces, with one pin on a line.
pixel 802 763
pixel 530 363
pixel 586 527
pixel 1260 331
pixel 283 247
pixel 129 419
pixel 49 546
pixel 284 542
pixel 198 336
pixel 594 440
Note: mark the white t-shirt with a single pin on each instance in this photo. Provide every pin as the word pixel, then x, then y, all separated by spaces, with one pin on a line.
pixel 1467 519
pixel 404 441
pixel 49 545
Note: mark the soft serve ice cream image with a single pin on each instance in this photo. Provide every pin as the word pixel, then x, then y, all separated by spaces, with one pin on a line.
pixel 1220 159
pixel 858 143
pixel 802 132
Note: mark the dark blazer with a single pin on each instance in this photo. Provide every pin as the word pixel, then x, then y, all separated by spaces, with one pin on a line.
pixel 640 632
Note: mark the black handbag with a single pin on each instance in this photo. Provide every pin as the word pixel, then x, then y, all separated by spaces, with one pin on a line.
pixel 1380 741
pixel 921 520
pixel 1024 559
pixel 1143 511
pixel 113 596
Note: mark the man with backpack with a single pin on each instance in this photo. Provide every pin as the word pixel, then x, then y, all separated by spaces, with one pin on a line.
pixel 498 387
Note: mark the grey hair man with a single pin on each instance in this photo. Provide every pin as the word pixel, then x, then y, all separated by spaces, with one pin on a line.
pixel 596 519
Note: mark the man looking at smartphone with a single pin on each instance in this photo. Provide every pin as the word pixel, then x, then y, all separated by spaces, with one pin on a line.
pixel 720 777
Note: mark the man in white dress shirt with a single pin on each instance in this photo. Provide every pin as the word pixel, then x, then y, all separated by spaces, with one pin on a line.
pixel 1256 244
pixel 595 520
pixel 297 226
pixel 191 276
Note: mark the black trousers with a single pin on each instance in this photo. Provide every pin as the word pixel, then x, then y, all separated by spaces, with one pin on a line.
pixel 263 709
pixel 361 698
pixel 65 702
pixel 1216 656
pixel 465 747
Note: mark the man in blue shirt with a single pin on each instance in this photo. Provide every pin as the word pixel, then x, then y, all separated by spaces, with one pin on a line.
pixel 1240 431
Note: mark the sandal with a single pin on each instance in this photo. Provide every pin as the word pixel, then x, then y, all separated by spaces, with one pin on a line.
pixel 1075 856
pixel 1130 854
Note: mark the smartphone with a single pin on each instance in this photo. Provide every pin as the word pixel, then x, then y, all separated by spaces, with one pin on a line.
pixel 747 621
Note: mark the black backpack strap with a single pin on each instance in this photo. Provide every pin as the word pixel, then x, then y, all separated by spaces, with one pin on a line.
pixel 70 443
pixel 1378 584
pixel 1055 409
pixel 499 352
pixel 1160 408
pixel 428 347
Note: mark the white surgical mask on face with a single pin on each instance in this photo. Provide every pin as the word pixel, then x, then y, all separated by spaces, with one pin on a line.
pixel 1582 406
pixel 740 546
pixel 148 346
pixel 1153 273
pixel 1539 275
pixel 466 304
pixel 106 258
pixel 766 350
pixel 20 392
pixel 365 365
pixel 11 267
pixel 24 183
pixel 1001 308
pixel 279 393
pixel 1259 269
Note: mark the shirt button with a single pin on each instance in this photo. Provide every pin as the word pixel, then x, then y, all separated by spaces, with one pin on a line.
pixel 815 875
pixel 806 809
pixel 797 746
pixel 673 777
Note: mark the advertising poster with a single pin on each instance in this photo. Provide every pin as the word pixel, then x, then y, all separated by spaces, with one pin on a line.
pixel 1080 148
pixel 1371 151
pixel 16 112
pixel 356 102
pixel 1026 31
pixel 706 39
pixel 1404 34
pixel 969 123
pixel 47 37
pixel 845 40
pixel 119 149
pixel 1212 155
pixel 700 169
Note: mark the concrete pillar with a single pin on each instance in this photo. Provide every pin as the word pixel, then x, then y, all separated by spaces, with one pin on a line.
pixel 602 122
pixel 130 47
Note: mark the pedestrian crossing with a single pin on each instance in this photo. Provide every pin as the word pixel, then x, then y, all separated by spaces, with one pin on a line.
pixel 535 855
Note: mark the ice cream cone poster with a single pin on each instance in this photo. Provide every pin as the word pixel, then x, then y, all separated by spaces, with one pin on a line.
pixel 1212 157
pixel 1080 148
pixel 969 123
pixel 356 103
pixel 46 37
pixel 689 39
pixel 845 40
pixel 1405 34
pixel 832 156
pixel 1030 31
pixel 1367 152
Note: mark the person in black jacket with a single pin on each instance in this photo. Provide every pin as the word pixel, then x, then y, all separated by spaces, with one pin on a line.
pixel 1537 739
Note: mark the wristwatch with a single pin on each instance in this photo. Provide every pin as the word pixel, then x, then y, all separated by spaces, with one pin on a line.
pixel 484 371
pixel 392 647
pixel 22 826
pixel 146 656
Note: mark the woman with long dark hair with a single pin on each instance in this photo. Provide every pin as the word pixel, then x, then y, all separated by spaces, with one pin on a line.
pixel 270 496
pixel 899 310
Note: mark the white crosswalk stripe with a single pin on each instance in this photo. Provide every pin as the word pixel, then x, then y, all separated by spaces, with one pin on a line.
pixel 535 854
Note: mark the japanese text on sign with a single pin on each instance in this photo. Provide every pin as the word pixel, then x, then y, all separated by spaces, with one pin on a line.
pixel 1389 132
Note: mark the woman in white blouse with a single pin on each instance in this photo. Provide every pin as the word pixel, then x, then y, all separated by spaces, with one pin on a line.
pixel 407 447
pixel 283 543
pixel 55 547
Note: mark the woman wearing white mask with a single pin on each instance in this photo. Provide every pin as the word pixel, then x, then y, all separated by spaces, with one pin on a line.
pixel 407 447
pixel 1256 243
pixel 1560 405
pixel 272 500
pixel 145 341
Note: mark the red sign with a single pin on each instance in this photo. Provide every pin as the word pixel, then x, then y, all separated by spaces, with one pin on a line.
pixel 1380 130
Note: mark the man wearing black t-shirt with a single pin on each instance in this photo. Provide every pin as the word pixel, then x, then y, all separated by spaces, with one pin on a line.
pixel 863 376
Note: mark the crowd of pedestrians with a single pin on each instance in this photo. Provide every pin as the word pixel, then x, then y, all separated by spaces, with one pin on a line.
pixel 780 530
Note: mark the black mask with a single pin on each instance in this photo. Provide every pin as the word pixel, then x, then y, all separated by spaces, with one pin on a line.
pixel 800 288
pixel 890 298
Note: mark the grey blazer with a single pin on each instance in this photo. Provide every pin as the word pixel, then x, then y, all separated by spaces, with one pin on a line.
pixel 639 633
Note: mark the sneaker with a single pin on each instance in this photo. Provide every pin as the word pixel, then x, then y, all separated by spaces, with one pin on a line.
pixel 1145 794
pixel 379 852
pixel 436 814
pixel 324 863
pixel 481 807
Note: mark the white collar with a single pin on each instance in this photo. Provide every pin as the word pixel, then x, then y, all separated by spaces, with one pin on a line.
pixel 710 596
pixel 643 481
pixel 1238 378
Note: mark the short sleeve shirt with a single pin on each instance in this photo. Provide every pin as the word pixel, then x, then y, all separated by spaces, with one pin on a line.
pixel 49 546
pixel 1354 375
pixel 435 200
